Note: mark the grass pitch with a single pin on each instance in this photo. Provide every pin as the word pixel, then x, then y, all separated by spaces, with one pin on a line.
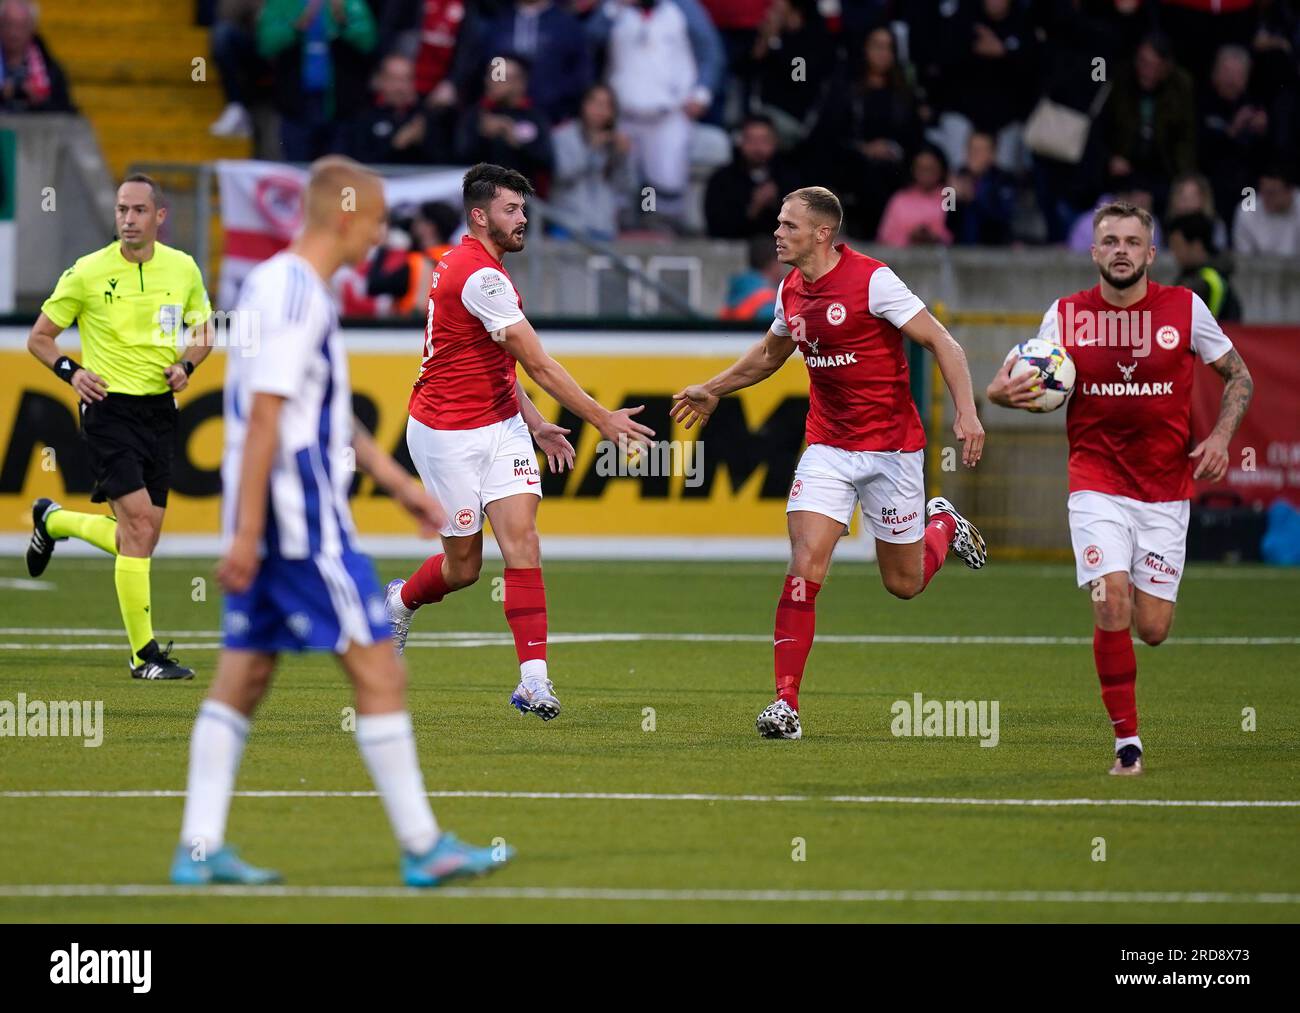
pixel 697 819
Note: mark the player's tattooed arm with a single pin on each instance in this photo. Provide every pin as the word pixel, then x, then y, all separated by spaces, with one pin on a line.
pixel 696 403
pixel 1238 387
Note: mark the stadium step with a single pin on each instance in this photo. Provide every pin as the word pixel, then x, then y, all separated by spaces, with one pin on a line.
pixel 132 73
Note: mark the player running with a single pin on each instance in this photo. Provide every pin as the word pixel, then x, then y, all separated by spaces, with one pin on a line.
pixel 848 313
pixel 293 576
pixel 1129 430
pixel 135 302
pixel 468 432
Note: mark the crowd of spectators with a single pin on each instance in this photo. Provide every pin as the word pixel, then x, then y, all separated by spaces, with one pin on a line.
pixel 936 121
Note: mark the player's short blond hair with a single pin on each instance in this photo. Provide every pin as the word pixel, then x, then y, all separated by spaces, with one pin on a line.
pixel 329 177
pixel 821 202
pixel 1123 209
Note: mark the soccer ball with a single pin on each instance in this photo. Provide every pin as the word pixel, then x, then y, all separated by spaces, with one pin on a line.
pixel 1054 367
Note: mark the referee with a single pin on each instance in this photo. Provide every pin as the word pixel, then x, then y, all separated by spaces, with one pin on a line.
pixel 134 302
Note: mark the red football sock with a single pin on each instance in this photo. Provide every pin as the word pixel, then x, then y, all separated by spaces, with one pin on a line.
pixel 939 533
pixel 525 607
pixel 425 586
pixel 1117 670
pixel 796 619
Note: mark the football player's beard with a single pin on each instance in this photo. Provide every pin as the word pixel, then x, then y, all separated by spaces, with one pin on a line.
pixel 505 240
pixel 1139 271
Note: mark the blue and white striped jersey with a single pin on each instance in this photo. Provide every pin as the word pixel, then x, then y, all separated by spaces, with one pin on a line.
pixel 290 345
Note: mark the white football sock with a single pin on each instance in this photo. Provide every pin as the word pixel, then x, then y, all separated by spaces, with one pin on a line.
pixel 216 745
pixel 387 744
pixel 1131 740
pixel 533 673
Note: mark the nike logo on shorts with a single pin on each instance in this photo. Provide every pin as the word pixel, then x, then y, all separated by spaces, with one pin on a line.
pixel 898 531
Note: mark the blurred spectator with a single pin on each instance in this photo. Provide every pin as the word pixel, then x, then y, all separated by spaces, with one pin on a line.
pixel 986 196
pixel 1153 119
pixel 396 129
pixel 1201 267
pixel 793 64
pixel 504 128
pixel 1199 27
pixel 319 54
pixel 915 216
pixel 655 70
pixel 233 41
pixel 593 176
pixel 751 294
pixel 1190 193
pixel 737 22
pixel 31 81
pixel 1273 224
pixel 1081 234
pixel 551 40
pixel 442 37
pixel 744 198
pixel 1233 128
pixel 866 133
pixel 403 266
pixel 995 70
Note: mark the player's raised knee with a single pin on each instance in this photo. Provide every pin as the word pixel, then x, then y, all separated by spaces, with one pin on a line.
pixel 1153 634
pixel 903 586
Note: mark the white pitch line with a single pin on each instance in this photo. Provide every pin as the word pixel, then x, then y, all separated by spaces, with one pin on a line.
pixel 616 894
pixel 477 638
pixel 25 584
pixel 632 796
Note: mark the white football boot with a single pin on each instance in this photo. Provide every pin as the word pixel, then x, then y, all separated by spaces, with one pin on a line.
pixel 399 616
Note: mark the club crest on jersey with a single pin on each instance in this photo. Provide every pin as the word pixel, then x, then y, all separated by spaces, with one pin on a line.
pixel 1127 371
pixel 1167 338
pixel 464 518
pixel 836 314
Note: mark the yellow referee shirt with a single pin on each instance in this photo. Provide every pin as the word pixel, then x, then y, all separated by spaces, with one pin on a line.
pixel 132 317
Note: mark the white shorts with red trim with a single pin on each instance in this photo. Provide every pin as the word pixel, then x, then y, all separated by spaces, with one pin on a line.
pixel 466 469
pixel 1115 534
pixel 889 484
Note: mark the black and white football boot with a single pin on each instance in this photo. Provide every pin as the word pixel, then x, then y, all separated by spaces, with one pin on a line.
pixel 159 664
pixel 967 543
pixel 779 721
pixel 41 547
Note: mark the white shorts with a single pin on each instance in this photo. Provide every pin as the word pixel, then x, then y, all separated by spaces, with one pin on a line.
pixel 1115 534
pixel 466 469
pixel 889 484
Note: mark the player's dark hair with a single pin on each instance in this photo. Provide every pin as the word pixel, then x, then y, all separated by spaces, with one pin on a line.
pixel 155 191
pixel 483 180
pixel 1123 209
pixel 1194 227
pixel 820 202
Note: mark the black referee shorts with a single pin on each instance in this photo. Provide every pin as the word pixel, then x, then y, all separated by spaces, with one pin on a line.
pixel 131 438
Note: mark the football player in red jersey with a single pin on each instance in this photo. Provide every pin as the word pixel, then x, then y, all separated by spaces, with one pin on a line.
pixel 469 425
pixel 848 314
pixel 1132 460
